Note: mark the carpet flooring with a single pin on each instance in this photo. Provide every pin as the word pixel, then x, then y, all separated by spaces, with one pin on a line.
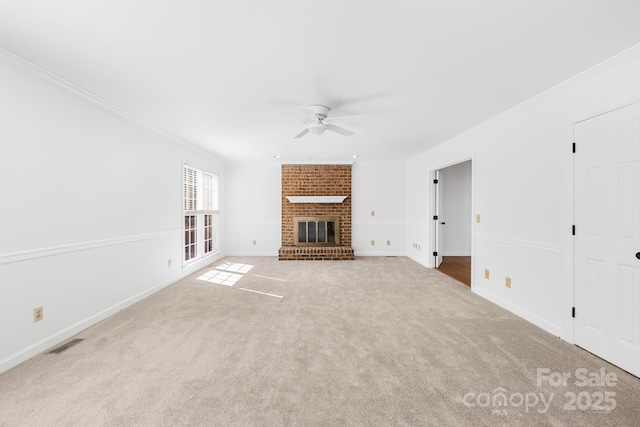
pixel 372 342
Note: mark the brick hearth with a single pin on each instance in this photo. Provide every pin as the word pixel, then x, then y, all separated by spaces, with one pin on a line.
pixel 315 253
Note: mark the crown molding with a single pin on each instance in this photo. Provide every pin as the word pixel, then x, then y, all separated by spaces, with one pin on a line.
pixel 35 69
pixel 626 55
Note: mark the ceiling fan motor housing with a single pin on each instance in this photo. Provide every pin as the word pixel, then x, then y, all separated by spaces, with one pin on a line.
pixel 320 111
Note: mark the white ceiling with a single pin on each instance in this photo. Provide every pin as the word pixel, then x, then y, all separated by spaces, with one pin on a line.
pixel 229 76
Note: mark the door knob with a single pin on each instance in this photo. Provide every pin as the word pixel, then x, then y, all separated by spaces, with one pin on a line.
pixel 638 255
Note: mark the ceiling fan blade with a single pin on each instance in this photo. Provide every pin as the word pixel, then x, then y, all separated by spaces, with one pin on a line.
pixel 337 104
pixel 353 116
pixel 306 110
pixel 301 134
pixel 338 129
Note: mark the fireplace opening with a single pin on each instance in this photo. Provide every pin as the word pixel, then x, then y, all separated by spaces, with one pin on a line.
pixel 316 231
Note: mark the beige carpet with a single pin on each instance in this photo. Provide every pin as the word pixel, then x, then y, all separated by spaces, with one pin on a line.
pixel 376 341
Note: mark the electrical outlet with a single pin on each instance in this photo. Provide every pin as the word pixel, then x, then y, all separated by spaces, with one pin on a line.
pixel 486 274
pixel 373 242
pixel 254 243
pixel 38 313
pixel 388 242
pixel 418 247
pixel 507 282
pixel 478 218
pixel 169 262
pixel 373 213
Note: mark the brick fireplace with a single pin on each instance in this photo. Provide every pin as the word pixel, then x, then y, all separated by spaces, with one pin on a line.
pixel 308 192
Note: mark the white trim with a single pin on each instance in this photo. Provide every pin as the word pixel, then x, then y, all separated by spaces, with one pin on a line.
pixel 413 256
pixel 9 258
pixel 63 83
pixel 249 253
pixel 569 324
pixel 524 314
pixel 357 252
pixel 620 58
pixel 421 225
pixel 604 109
pixel 279 223
pixel 58 337
pixel 316 199
pixel 403 224
pixel 523 243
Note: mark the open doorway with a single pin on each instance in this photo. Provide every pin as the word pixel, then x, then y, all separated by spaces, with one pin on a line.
pixel 452 221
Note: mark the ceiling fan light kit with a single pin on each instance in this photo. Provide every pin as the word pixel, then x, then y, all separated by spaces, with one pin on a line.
pixel 316 128
pixel 320 122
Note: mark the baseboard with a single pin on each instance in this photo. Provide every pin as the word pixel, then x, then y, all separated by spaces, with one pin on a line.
pixel 39 347
pixel 520 312
pixel 66 333
pixel 418 260
pixel 252 253
pixel 381 253
pixel 357 253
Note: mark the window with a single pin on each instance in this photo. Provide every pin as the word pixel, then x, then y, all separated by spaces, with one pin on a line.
pixel 201 212
pixel 190 239
pixel 208 234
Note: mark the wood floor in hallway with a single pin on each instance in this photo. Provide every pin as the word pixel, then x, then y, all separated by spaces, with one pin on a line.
pixel 457 267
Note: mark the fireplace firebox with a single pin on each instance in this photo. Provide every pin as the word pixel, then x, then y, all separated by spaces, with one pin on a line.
pixel 316 231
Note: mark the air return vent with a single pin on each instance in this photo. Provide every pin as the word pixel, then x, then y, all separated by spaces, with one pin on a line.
pixel 65 346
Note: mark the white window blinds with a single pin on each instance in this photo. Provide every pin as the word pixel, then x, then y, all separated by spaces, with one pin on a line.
pixel 190 189
pixel 210 185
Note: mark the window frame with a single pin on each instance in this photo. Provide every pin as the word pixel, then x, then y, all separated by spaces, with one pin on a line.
pixel 200 204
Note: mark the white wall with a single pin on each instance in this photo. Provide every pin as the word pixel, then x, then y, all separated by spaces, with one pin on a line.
pixel 90 211
pixel 378 187
pixel 522 188
pixel 253 208
pixel 455 184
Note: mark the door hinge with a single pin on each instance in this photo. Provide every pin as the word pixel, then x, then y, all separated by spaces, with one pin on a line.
pixel 435 254
pixel 435 217
pixel 573 230
pixel 435 181
pixel 573 147
pixel 573 312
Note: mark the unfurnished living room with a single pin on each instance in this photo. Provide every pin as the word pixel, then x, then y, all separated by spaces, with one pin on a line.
pixel 412 213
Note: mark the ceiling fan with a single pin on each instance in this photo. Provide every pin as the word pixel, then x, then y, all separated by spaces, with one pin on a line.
pixel 319 122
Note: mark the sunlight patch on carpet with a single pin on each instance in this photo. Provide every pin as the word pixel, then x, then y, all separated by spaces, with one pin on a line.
pixel 221 277
pixel 226 274
pixel 261 293
pixel 235 267
pixel 270 278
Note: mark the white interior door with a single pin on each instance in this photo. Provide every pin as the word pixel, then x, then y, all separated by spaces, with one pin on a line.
pixel 437 218
pixel 607 241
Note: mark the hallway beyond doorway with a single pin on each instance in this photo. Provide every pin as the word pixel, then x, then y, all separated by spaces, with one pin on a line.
pixel 457 267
